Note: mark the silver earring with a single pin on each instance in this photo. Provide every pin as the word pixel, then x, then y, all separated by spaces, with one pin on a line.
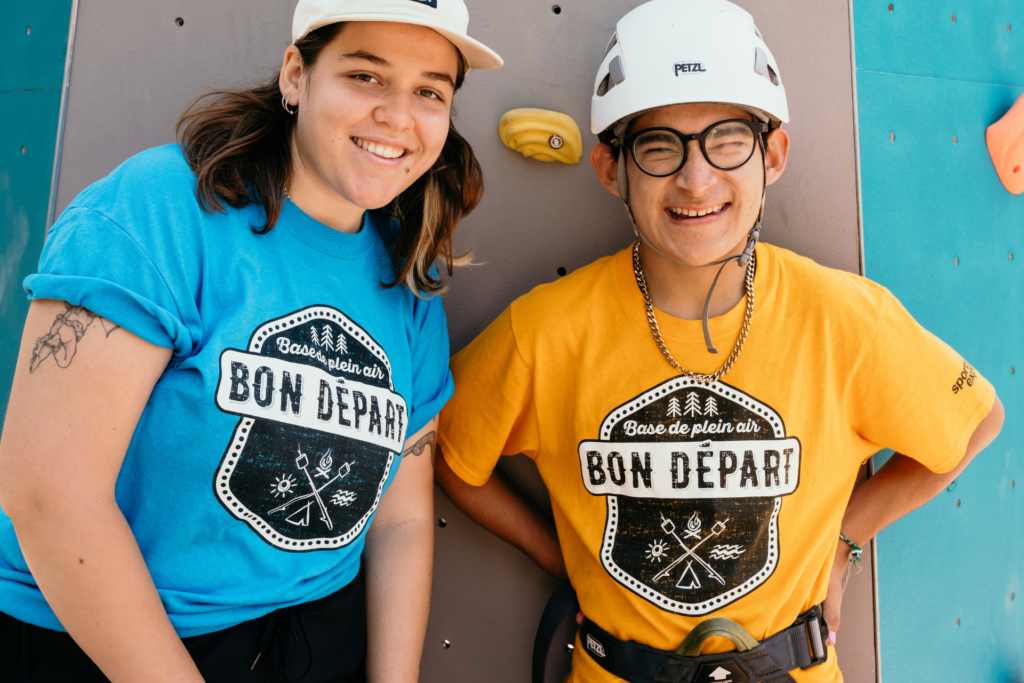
pixel 284 103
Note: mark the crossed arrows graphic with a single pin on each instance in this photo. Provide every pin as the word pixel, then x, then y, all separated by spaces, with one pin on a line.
pixel 669 527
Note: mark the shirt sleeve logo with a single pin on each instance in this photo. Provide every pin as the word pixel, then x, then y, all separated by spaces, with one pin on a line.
pixel 320 426
pixel 694 476
pixel 965 379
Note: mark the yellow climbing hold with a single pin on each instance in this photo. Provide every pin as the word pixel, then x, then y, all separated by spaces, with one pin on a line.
pixel 541 134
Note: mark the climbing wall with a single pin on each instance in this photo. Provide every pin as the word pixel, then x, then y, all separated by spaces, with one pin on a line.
pixel 537 221
pixel 33 46
pixel 942 233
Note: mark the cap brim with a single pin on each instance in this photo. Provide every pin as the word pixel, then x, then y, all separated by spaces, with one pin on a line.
pixel 476 53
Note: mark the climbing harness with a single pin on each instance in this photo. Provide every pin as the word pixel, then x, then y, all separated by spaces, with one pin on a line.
pixel 801 646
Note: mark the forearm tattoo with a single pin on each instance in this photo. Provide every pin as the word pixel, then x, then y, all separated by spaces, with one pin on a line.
pixel 426 441
pixel 67 330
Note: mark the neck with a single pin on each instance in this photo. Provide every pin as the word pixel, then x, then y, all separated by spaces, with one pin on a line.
pixel 680 291
pixel 319 201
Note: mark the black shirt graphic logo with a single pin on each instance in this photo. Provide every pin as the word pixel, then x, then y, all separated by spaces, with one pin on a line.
pixel 694 477
pixel 320 427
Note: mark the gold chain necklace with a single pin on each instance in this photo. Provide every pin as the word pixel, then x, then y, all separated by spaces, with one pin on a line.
pixel 641 282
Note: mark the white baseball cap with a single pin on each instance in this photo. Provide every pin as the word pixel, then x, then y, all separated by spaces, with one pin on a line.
pixel 450 18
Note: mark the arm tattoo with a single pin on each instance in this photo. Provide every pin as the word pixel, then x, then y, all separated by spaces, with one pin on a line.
pixel 67 330
pixel 427 440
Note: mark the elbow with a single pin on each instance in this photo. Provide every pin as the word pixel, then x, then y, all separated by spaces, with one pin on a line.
pixel 993 422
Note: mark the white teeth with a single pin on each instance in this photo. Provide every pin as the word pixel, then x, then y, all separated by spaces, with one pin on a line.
pixel 693 213
pixel 380 150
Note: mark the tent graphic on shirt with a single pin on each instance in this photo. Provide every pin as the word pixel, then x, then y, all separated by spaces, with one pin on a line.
pixel 694 477
pixel 320 426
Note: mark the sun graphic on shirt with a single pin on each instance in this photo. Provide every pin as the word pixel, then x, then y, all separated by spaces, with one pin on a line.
pixel 282 485
pixel 656 551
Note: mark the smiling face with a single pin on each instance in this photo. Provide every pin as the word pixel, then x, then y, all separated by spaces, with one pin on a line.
pixel 700 214
pixel 373 112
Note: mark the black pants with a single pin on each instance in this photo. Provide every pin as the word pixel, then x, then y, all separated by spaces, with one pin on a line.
pixel 319 642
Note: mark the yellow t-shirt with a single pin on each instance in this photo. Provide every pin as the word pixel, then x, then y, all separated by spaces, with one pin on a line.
pixel 676 502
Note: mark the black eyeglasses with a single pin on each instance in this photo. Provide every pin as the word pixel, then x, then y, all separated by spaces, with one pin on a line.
pixel 661 152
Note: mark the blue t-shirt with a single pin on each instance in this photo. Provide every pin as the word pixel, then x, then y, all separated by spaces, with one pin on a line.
pixel 295 378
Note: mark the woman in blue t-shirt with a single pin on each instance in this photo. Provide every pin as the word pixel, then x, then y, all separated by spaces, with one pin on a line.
pixel 231 347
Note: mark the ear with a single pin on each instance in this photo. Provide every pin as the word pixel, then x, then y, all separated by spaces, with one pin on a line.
pixel 290 80
pixel 777 155
pixel 606 167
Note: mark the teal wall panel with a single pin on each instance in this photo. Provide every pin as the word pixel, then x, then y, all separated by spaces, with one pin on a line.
pixel 920 37
pixel 31 81
pixel 939 231
pixel 33 38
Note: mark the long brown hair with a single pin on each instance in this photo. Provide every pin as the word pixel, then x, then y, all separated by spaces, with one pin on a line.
pixel 237 142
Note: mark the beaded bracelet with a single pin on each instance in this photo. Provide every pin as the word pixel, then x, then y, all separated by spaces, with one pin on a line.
pixel 855 550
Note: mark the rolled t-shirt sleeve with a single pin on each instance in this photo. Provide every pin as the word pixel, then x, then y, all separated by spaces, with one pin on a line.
pixel 432 383
pixel 88 260
pixel 914 394
pixel 492 412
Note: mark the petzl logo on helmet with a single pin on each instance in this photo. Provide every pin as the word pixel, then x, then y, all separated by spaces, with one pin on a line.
pixel 320 428
pixel 690 68
pixel 694 476
pixel 428 3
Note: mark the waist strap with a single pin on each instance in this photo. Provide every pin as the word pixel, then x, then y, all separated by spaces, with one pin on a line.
pixel 800 646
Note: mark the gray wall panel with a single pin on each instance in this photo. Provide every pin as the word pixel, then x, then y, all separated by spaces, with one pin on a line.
pixel 135 70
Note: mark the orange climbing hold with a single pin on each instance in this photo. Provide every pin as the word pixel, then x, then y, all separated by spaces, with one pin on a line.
pixel 1005 139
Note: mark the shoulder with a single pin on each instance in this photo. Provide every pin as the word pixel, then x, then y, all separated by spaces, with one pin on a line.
pixel 569 300
pixel 824 293
pixel 155 175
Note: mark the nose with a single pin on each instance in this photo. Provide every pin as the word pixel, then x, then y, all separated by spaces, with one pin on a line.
pixel 697 175
pixel 396 112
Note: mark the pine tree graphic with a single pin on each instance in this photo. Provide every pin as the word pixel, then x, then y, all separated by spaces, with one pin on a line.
pixel 711 406
pixel 340 345
pixel 328 337
pixel 314 335
pixel 692 404
pixel 673 408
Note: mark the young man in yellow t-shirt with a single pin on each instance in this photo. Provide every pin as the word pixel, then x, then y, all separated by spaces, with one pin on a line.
pixel 688 484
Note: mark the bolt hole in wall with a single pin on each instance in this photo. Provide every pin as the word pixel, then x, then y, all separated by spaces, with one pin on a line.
pixel 958 622
pixel 555 9
pixel 956 261
pixel 442 522
pixel 179 21
pixel 23 149
pixel 28 30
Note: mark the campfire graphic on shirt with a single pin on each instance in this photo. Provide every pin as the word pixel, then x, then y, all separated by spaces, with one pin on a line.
pixel 320 426
pixel 694 477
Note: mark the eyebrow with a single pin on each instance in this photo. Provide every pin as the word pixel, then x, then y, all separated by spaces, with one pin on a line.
pixel 385 64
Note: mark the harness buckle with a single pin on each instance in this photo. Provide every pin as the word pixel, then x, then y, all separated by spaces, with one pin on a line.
pixel 814 622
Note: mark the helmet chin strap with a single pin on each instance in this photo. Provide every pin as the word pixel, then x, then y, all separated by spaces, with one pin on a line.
pixel 742 259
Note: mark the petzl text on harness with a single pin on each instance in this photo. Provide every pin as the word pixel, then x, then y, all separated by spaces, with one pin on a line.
pixel 800 646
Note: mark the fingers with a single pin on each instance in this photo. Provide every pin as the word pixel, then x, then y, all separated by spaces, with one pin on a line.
pixel 579 618
pixel 831 637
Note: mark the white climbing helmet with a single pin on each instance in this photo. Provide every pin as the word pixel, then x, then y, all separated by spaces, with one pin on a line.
pixel 668 52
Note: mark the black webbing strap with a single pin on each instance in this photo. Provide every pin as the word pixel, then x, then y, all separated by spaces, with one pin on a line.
pixel 561 603
pixel 800 646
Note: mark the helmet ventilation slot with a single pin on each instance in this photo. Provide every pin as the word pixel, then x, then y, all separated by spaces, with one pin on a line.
pixel 611 44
